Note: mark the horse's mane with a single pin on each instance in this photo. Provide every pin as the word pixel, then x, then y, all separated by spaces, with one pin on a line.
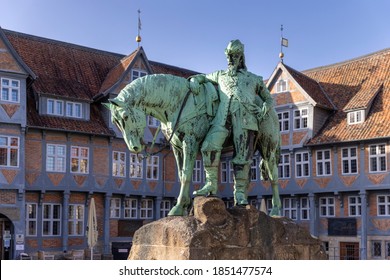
pixel 163 90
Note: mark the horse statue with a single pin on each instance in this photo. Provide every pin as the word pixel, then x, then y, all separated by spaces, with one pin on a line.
pixel 185 120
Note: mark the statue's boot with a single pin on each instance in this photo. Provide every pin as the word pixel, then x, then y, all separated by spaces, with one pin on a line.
pixel 241 183
pixel 240 189
pixel 211 186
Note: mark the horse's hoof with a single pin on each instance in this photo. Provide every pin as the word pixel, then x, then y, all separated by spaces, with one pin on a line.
pixel 176 211
pixel 206 191
pixel 275 212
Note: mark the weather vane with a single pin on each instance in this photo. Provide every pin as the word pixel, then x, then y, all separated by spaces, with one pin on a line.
pixel 138 38
pixel 283 43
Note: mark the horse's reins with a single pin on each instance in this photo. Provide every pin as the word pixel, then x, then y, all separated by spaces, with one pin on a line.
pixel 173 130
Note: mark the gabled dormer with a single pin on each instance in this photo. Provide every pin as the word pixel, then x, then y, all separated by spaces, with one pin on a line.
pixel 359 106
pixel 129 68
pixel 301 103
pixel 15 76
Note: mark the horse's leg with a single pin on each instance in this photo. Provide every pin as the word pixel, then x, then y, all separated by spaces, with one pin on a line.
pixel 276 203
pixel 272 168
pixel 190 150
pixel 178 153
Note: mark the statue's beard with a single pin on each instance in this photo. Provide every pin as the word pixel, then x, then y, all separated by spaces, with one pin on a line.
pixel 232 70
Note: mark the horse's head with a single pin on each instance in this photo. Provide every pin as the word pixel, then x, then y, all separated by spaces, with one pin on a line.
pixel 130 121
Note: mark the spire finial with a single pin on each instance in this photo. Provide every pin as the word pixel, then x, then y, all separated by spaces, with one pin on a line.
pixel 138 38
pixel 283 43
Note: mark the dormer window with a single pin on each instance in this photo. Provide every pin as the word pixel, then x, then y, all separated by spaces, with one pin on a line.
pixel 356 117
pixel 10 90
pixel 281 86
pixel 137 74
pixel 64 108
pixel 55 107
pixel 73 110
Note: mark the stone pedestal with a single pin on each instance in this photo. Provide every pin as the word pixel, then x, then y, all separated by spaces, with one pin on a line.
pixel 214 232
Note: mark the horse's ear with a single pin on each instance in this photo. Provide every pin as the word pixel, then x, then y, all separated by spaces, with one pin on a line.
pixel 117 103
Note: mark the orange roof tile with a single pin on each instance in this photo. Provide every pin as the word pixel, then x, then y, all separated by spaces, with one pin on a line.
pixel 311 87
pixel 116 72
pixel 346 84
pixel 73 72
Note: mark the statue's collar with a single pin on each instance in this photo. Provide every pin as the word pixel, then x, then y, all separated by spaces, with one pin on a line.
pixel 242 71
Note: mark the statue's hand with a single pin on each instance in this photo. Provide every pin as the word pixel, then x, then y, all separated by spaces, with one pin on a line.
pixel 194 86
pixel 262 111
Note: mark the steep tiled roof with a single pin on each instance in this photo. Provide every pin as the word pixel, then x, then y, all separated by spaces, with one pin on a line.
pixel 72 72
pixel 311 87
pixel 364 97
pixel 350 85
pixel 116 72
pixel 169 69
pixel 63 69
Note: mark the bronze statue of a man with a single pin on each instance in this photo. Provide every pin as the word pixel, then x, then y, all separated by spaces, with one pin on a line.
pixel 244 101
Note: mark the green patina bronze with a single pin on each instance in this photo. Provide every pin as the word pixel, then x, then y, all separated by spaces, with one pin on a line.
pixel 195 116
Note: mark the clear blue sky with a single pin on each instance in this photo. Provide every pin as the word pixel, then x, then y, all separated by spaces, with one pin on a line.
pixel 193 34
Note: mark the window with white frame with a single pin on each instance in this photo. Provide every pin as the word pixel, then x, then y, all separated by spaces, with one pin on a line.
pixel 73 109
pixel 254 203
pixel 323 163
pixel 349 161
pixel 9 151
pixel 131 208
pixel 383 205
pixel 302 165
pixel 254 168
pixel 377 158
pixel 31 219
pixel 76 220
pixel 355 117
pixel 51 219
pixel 281 86
pixel 327 207
pixel 269 205
pixel 137 74
pixel 284 121
pixel 165 207
pixel 152 168
pixel 354 206
pixel 146 209
pixel 224 172
pixel 231 172
pixel 118 164
pixel 197 173
pixel 387 249
pixel 55 107
pixel 284 166
pixel 290 208
pixel 300 118
pixel 305 208
pixel 376 249
pixel 79 159
pixel 10 90
pixel 136 166
pixel 229 204
pixel 115 208
pixel 152 122
pixel 55 158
